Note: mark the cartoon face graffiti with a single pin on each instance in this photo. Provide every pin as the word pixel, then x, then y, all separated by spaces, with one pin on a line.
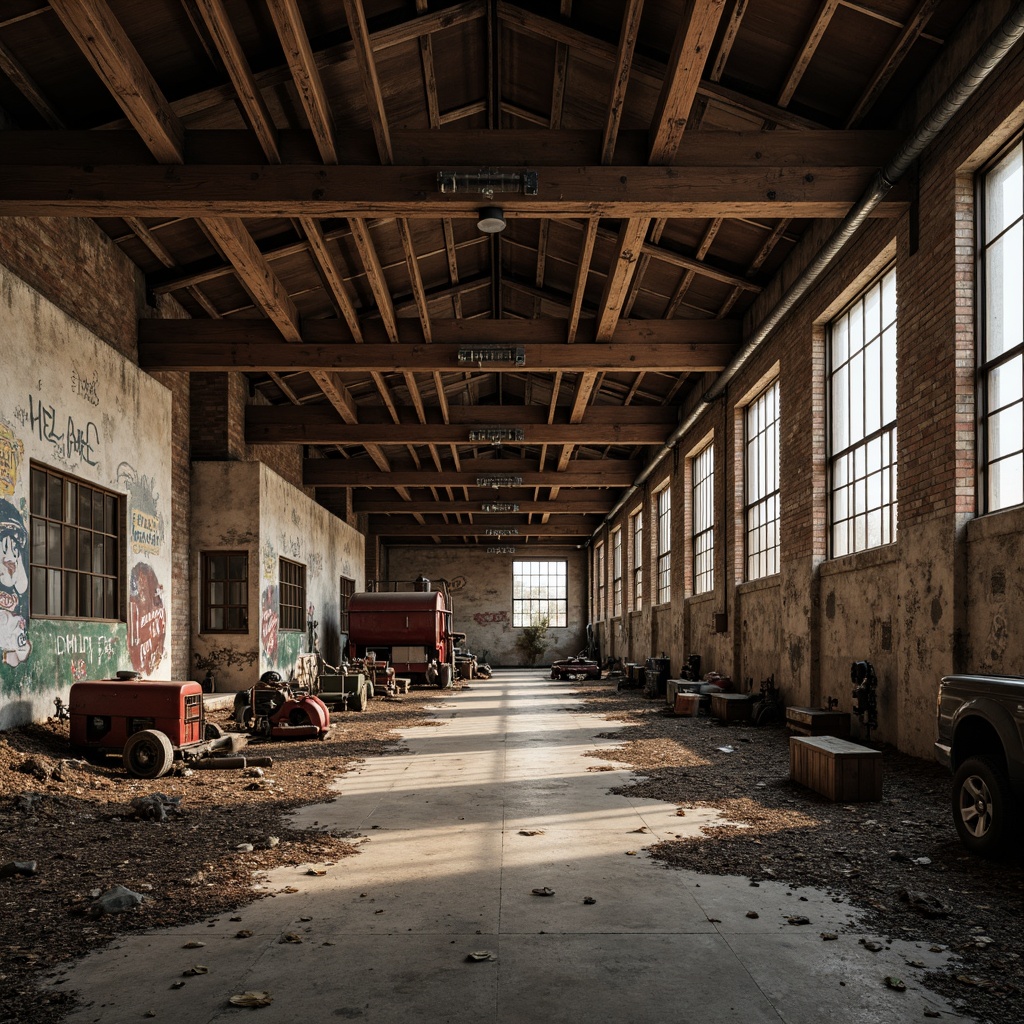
pixel 14 643
pixel 147 619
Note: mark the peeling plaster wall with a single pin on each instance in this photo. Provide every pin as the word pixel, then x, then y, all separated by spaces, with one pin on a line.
pixel 245 506
pixel 73 404
pixel 481 587
pixel 759 624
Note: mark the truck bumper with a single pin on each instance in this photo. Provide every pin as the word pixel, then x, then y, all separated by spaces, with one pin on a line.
pixel 943 755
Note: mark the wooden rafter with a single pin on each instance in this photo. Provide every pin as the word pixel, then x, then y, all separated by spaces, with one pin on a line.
pixel 620 79
pixel 732 28
pixel 807 51
pixel 368 72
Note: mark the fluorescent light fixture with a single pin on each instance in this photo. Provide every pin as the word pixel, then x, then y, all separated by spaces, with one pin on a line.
pixel 481 354
pixel 496 435
pixel 486 182
pixel 500 506
pixel 499 481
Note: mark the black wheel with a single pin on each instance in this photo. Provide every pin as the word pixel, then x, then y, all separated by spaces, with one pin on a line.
pixel 147 754
pixel 356 700
pixel 444 677
pixel 982 806
pixel 298 716
pixel 212 731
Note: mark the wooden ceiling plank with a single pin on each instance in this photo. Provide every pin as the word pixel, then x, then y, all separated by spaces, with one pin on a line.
pixel 576 502
pixel 27 86
pixel 628 33
pixel 560 526
pixel 287 18
pixel 374 274
pixel 250 98
pixel 580 283
pixel 354 473
pixel 732 28
pixel 368 72
pixel 319 249
pixel 237 246
pixel 403 357
pixel 105 44
pixel 358 193
pixel 807 51
pixel 690 51
pixel 430 81
pixel 901 47
pixel 327 339
pixel 286 389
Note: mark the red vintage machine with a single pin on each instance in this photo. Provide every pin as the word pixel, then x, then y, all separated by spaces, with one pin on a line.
pixel 408 625
pixel 272 709
pixel 147 723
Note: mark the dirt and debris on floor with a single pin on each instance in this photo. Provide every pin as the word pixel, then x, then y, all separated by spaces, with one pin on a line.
pixel 193 846
pixel 897 860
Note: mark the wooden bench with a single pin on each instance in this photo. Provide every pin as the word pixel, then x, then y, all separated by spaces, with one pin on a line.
pixel 836 768
pixel 818 722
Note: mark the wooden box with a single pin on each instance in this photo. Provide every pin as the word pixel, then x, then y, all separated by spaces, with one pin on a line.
pixel 818 722
pixel 730 707
pixel 841 770
pixel 687 704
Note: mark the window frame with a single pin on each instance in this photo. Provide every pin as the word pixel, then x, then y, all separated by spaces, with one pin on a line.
pixel 112 531
pixel 291 596
pixel 702 539
pixel 600 569
pixel 848 513
pixel 663 520
pixel 637 525
pixel 761 492
pixel 617 573
pixel 346 588
pixel 207 606
pixel 559 601
pixel 988 367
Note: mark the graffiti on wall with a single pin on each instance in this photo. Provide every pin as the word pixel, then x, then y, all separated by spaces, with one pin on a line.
pixel 147 619
pixel 217 658
pixel 489 618
pixel 146 524
pixel 269 562
pixel 12 452
pixel 72 441
pixel 268 623
pixel 87 387
pixel 15 645
pixel 457 584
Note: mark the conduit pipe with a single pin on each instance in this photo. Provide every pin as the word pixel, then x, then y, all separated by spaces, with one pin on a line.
pixel 988 58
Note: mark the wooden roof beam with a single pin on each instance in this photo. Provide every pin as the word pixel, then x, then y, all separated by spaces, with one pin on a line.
pixel 368 72
pixel 807 51
pixel 356 473
pixel 628 34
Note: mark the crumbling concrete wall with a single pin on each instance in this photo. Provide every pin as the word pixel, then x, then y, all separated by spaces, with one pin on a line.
pixel 77 406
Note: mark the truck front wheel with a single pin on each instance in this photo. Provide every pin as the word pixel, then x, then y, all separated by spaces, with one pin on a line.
pixel 982 806
pixel 147 754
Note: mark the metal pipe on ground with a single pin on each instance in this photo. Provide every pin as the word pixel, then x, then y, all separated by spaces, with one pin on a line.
pixel 219 763
pixel 988 58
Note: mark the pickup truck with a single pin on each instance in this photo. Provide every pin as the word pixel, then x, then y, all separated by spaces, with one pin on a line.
pixel 981 740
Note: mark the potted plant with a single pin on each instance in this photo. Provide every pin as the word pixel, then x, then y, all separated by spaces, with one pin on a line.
pixel 531 641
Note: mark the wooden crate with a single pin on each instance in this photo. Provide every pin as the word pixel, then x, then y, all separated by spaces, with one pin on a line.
pixel 818 722
pixel 836 768
pixel 687 704
pixel 730 707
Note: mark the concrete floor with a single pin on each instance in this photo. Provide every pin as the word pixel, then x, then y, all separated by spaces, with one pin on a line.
pixel 447 871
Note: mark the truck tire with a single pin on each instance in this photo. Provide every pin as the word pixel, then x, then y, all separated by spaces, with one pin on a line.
pixel 982 805
pixel 444 677
pixel 147 754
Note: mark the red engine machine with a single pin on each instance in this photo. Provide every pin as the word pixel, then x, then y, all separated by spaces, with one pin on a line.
pixel 272 709
pixel 148 724
pixel 407 623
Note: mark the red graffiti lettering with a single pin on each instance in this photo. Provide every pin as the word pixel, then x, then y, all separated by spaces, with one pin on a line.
pixel 484 618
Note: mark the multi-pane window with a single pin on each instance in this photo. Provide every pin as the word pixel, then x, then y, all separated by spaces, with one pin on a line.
pixel 617 572
pixel 761 482
pixel 637 519
pixel 225 592
pixel 346 590
pixel 540 593
pixel 75 548
pixel 862 411
pixel 600 570
pixel 1001 398
pixel 664 545
pixel 291 594
pixel 704 520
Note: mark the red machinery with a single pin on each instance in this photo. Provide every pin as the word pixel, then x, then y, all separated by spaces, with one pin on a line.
pixel 148 723
pixel 409 628
pixel 272 709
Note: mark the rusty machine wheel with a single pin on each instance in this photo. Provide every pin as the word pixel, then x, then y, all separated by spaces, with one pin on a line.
pixel 148 754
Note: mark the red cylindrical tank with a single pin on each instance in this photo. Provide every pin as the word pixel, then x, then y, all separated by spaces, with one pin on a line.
pixel 407 628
